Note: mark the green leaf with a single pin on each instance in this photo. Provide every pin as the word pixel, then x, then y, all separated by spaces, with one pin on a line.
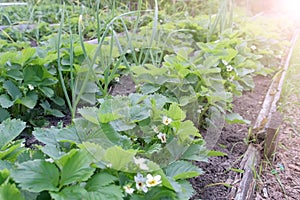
pixel 50 111
pixel 149 88
pixel 235 118
pixel 102 134
pixel 29 100
pixel 30 154
pixel 187 191
pixel 11 151
pixel 107 117
pixel 9 130
pixel 186 131
pixel 139 113
pixel 95 150
pixel 247 82
pixel 46 136
pixel 211 61
pixel 5 101
pixel 6 57
pixel 15 74
pixel 4 174
pixel 36 176
pixel 75 166
pixel 27 54
pixel 29 195
pixel 4 114
pixel 237 170
pixel 73 192
pixel 158 193
pixel 216 153
pixel 120 125
pixel 182 170
pixel 90 114
pixel 58 100
pixel 100 180
pixel 5 165
pixel 55 113
pixel 52 151
pixel 112 192
pixel 119 158
pixel 12 90
pixel 10 192
pixel 172 152
pixel 47 91
pixel 176 113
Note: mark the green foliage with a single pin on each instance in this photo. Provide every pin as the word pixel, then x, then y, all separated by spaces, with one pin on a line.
pixel 75 167
pixel 182 170
pixel 10 191
pixel 187 68
pixel 9 130
pixel 235 118
pixel 37 176
pixel 102 157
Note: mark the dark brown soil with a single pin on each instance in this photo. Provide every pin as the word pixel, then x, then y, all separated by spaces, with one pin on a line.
pixel 125 86
pixel 232 141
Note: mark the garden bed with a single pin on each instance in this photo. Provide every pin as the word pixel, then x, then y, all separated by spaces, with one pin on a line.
pixel 220 172
pixel 132 116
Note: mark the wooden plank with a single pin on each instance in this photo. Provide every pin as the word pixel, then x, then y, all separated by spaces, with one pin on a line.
pixel 249 164
pixel 271 138
pixel 13 4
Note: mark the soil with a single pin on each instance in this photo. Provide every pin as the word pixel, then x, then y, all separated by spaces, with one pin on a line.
pixel 125 86
pixel 218 171
pixel 280 177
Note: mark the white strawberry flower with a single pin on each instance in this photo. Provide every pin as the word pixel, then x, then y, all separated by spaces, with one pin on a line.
pixel 153 181
pixel 30 87
pixel 162 137
pixel 128 189
pixel 140 183
pixel 166 121
pixel 229 68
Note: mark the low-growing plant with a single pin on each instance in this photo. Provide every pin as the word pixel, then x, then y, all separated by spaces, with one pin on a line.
pixel 132 147
pixel 27 84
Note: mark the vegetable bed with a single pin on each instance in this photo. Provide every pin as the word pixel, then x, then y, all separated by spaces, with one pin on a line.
pixel 124 100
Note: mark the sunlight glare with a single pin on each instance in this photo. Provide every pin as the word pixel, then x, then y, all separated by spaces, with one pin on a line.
pixel 291 7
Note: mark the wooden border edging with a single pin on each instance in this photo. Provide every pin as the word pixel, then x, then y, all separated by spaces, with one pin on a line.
pixel 13 4
pixel 249 164
pixel 267 123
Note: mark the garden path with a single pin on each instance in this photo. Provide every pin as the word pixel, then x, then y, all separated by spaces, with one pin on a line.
pixel 280 178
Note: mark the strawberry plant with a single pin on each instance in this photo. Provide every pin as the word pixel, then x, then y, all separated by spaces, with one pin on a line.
pixel 25 84
pixel 133 152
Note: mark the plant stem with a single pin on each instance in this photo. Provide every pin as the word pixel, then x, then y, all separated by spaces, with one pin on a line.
pixel 59 69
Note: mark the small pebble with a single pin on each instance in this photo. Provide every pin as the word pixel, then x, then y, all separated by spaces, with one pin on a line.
pixel 265 191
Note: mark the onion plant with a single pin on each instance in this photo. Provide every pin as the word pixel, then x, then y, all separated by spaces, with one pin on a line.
pixel 102 58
